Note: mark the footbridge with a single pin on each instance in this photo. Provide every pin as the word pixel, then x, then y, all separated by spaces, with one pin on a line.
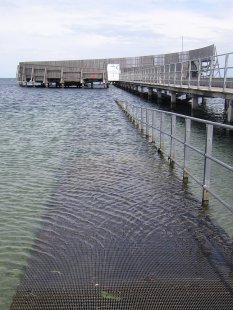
pixel 199 73
pixel 196 74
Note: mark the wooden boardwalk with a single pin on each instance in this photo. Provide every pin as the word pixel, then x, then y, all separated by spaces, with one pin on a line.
pixel 196 73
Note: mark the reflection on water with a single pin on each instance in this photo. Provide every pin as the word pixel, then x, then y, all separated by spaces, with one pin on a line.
pixel 48 138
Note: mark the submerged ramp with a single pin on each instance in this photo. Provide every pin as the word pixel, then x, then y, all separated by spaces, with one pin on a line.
pixel 120 232
pixel 123 235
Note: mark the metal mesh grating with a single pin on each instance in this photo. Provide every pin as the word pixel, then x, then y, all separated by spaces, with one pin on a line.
pixel 108 243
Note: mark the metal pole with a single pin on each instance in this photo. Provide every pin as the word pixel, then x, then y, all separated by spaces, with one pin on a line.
pixel 225 71
pixel 161 147
pixel 186 149
pixel 199 73
pixel 141 119
pixel 147 123
pixel 175 75
pixel 211 72
pixel 169 74
pixel 181 74
pixel 173 141
pixel 207 164
pixel 190 64
pixel 153 126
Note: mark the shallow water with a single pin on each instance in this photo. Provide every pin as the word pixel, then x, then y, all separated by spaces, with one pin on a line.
pixel 48 137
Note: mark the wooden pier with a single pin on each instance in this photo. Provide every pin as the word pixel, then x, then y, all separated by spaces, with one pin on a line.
pixel 195 73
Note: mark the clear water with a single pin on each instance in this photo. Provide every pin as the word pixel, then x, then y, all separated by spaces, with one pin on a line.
pixel 44 130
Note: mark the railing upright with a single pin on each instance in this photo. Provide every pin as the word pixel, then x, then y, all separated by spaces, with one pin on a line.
pixel 225 71
pixel 173 141
pixel 207 164
pixel 169 74
pixel 186 149
pixel 199 73
pixel 153 126
pixel 141 119
pixel 211 73
pixel 181 73
pixel 161 142
pixel 189 73
pixel 175 74
pixel 147 123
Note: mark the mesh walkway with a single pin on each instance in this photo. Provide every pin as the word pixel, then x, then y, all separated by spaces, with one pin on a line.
pixel 122 234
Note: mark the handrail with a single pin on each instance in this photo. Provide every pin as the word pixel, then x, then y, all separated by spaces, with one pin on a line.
pixel 144 122
pixel 210 72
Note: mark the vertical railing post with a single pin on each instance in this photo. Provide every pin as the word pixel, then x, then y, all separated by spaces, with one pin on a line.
pixel 190 65
pixel 186 149
pixel 181 74
pixel 153 126
pixel 173 141
pixel 161 142
pixel 169 74
pixel 225 72
pixel 211 73
pixel 133 116
pixel 138 118
pixel 207 164
pixel 164 74
pixel 175 75
pixel 141 119
pixel 147 123
pixel 199 73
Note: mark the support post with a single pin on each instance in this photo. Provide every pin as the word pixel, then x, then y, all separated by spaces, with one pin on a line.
pixel 81 78
pixel 173 99
pixel 207 165
pixel 33 77
pixel 24 76
pixel 186 149
pixel 62 78
pixel 142 91
pixel 194 103
pixel 159 93
pixel 229 110
pixel 150 92
pixel 204 100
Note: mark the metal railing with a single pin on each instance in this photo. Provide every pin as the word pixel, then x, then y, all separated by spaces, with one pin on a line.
pixel 147 119
pixel 209 72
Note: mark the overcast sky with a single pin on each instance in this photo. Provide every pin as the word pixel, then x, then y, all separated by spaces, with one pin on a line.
pixel 79 29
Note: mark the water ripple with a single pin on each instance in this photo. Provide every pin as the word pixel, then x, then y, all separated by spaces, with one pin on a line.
pixel 83 198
